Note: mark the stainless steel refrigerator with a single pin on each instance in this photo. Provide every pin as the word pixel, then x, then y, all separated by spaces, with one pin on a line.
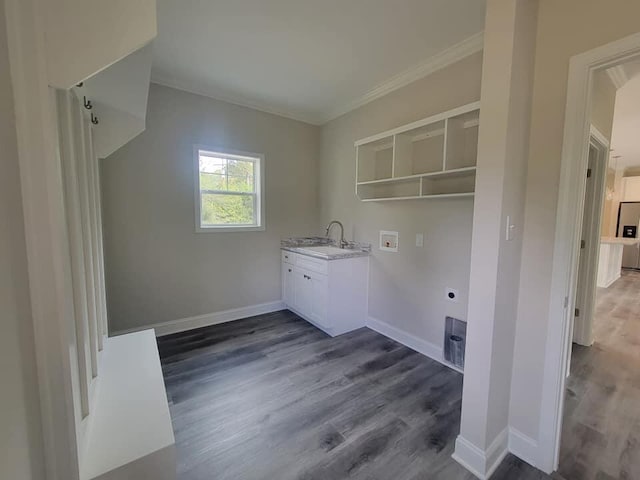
pixel 629 227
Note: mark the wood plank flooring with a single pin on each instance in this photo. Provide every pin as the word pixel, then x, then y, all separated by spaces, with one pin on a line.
pixel 601 431
pixel 272 397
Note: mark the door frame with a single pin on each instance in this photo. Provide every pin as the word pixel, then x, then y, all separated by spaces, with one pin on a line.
pixel 567 236
pixel 587 279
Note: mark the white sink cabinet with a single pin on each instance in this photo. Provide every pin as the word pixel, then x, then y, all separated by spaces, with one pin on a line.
pixel 330 294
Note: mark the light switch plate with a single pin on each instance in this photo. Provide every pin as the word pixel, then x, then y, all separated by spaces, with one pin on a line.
pixel 419 240
pixel 388 241
pixel 508 234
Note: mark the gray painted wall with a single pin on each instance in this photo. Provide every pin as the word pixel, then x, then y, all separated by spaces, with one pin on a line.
pixel 406 289
pixel 21 456
pixel 158 269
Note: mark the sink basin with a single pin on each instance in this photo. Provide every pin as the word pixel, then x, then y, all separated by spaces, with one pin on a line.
pixel 326 250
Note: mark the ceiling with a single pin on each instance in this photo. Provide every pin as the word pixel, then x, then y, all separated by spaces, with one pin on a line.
pixel 312 60
pixel 625 138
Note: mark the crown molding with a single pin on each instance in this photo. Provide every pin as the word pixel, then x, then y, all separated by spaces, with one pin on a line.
pixel 451 55
pixel 436 62
pixel 618 76
pixel 240 100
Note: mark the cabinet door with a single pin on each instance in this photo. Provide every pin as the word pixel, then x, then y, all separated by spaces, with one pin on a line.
pixel 319 299
pixel 303 292
pixel 288 280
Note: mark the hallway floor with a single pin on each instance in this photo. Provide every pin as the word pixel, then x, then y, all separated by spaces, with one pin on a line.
pixel 272 397
pixel 601 433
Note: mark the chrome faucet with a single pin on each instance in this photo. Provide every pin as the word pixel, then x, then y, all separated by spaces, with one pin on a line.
pixel 343 242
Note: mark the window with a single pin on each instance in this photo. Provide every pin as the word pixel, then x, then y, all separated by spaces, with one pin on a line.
pixel 229 191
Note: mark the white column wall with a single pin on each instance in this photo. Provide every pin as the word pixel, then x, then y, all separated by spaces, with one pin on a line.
pixel 495 260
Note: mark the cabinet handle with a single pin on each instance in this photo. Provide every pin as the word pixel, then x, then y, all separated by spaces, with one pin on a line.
pixel 289 270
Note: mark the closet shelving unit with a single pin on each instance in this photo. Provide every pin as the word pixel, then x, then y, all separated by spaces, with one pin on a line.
pixel 431 158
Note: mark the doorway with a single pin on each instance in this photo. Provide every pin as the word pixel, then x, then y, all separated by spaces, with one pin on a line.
pixel 568 230
pixel 595 175
pixel 597 394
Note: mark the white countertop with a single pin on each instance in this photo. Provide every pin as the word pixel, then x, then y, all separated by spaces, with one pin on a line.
pixel 326 252
pixel 620 240
pixel 324 248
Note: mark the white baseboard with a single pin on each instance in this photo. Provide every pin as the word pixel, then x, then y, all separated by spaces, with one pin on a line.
pixel 481 463
pixel 427 349
pixel 189 323
pixel 611 282
pixel 523 447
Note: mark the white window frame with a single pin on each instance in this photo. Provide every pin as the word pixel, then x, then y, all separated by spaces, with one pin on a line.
pixel 259 201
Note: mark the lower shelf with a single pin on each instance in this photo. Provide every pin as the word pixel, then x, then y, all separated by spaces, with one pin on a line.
pixel 421 197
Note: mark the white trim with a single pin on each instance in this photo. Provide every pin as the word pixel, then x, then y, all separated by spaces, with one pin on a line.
pixel 481 463
pixel 208 319
pixel 582 331
pixel 443 59
pixel 259 194
pixel 222 95
pixel 523 446
pixel 612 281
pixel 618 76
pixel 567 232
pixel 427 349
pixel 599 136
pixel 45 234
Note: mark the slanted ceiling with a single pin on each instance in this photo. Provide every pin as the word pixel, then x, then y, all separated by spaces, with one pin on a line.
pixel 309 60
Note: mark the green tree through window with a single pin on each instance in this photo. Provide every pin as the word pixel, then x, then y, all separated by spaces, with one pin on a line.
pixel 228 193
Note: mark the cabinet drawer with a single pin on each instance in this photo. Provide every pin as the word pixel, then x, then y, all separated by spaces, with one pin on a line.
pixel 312 264
pixel 288 257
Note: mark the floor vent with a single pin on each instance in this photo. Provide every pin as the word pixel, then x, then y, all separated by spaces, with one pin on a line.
pixel 455 336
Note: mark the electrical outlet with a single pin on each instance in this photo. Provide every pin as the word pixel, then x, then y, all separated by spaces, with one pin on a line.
pixel 419 240
pixel 451 295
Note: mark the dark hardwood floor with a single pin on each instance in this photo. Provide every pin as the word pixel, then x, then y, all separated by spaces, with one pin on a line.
pixel 272 397
pixel 601 431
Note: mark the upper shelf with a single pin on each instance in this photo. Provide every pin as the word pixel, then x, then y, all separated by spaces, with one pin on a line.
pixel 453 173
pixel 433 157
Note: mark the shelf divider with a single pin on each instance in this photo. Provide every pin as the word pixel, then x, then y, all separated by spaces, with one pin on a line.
pixel 435 155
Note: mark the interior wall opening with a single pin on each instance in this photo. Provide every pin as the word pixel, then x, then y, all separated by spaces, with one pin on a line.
pixel 601 414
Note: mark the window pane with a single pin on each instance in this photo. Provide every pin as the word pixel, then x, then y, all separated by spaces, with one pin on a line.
pixel 240 167
pixel 212 164
pixel 221 209
pixel 212 181
pixel 239 183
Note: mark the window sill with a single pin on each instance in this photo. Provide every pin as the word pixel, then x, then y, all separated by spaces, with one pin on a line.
pixel 234 229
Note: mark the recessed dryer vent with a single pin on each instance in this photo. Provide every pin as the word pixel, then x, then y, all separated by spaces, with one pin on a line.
pixel 455 336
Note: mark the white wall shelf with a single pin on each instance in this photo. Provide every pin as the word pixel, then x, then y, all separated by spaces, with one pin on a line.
pixel 431 158
pixel 421 197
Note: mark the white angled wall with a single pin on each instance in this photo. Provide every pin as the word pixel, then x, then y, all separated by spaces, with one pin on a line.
pixel 84 228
